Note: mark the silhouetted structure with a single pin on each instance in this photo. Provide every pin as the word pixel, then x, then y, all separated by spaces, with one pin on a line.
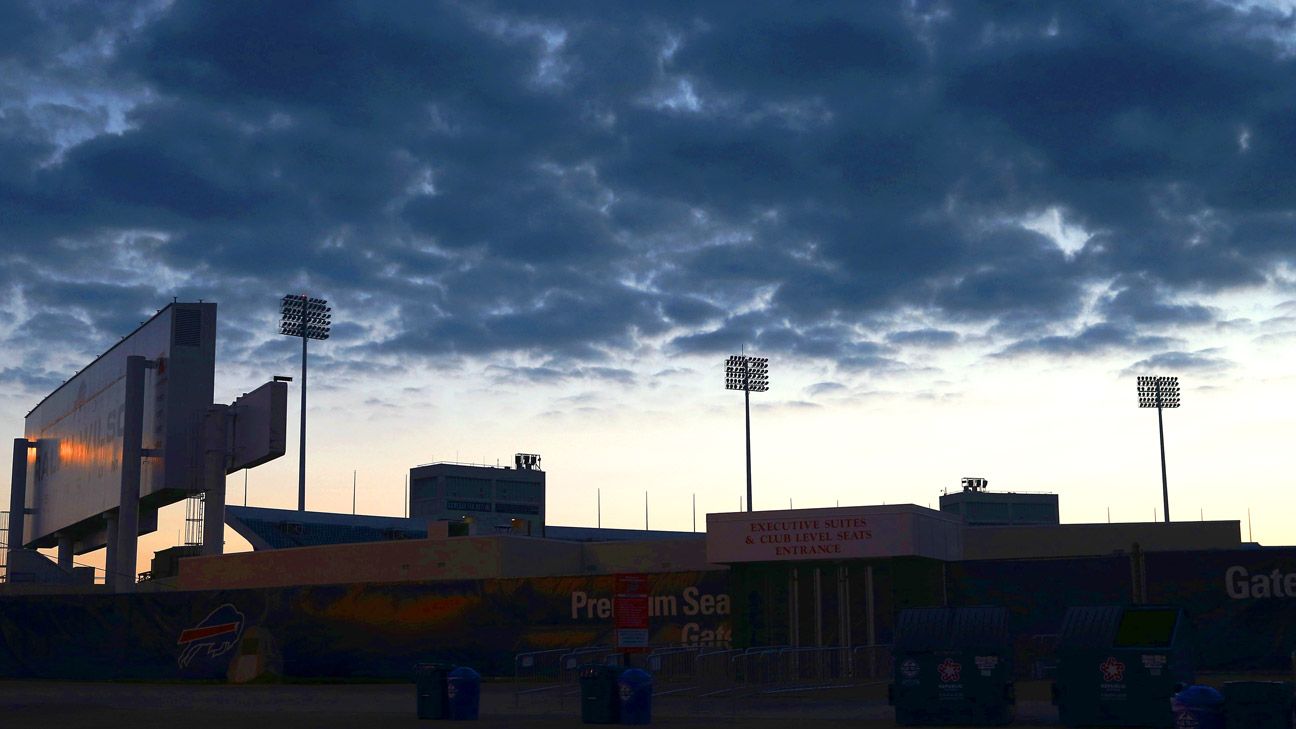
pixel 980 507
pixel 490 498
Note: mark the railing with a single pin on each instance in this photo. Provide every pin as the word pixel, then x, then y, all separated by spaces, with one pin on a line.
pixel 706 673
pixel 871 662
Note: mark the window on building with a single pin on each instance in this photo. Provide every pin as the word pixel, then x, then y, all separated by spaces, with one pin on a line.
pixel 988 512
pixel 517 491
pixel 422 488
pixel 461 487
pixel 516 508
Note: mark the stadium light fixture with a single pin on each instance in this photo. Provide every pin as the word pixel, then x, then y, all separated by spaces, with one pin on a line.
pixel 749 374
pixel 1160 392
pixel 308 318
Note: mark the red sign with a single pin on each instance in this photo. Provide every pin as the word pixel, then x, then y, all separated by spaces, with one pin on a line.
pixel 630 612
pixel 629 585
pixel 949 670
pixel 1112 670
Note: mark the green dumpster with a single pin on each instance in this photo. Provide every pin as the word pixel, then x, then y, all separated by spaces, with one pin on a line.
pixel 952 666
pixel 1120 665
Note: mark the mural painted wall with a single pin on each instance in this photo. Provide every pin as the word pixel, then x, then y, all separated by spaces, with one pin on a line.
pixel 358 630
pixel 1242 602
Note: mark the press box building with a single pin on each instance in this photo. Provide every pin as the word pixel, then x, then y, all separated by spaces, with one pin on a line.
pixel 491 499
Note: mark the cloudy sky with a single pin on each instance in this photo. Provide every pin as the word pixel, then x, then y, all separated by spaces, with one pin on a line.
pixel 958 230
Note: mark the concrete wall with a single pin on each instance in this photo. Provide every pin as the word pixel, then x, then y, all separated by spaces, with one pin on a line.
pixel 456 558
pixel 664 555
pixel 513 556
pixel 466 558
pixel 1077 540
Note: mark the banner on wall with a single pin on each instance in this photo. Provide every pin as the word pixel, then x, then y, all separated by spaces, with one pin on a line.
pixel 1242 603
pixel 362 630
pixel 630 613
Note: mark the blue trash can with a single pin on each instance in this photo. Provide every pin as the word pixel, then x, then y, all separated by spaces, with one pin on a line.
pixel 1198 707
pixel 635 690
pixel 463 694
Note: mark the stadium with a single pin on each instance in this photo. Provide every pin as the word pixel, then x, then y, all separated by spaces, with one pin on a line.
pixel 475 576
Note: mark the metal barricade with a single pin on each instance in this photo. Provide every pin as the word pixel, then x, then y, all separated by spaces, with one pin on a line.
pixel 572 661
pixel 756 665
pixel 871 662
pixel 538 665
pixel 673 664
pixel 820 664
pixel 715 666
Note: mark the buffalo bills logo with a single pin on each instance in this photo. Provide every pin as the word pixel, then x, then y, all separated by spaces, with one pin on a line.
pixel 949 670
pixel 218 633
pixel 1112 670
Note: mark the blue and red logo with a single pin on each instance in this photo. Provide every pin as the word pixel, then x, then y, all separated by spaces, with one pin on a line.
pixel 218 633
pixel 1112 670
pixel 949 670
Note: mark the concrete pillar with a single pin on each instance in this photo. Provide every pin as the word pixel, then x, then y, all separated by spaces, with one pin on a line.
pixel 818 606
pixel 794 607
pixel 17 496
pixel 110 560
pixel 132 444
pixel 65 551
pixel 216 450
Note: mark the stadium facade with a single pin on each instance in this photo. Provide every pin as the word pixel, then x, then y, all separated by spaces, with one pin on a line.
pixel 475 575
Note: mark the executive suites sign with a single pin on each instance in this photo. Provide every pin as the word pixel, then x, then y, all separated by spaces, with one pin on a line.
pixel 831 534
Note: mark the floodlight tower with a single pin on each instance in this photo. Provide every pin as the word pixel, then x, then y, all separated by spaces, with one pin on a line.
pixel 749 374
pixel 1160 392
pixel 308 318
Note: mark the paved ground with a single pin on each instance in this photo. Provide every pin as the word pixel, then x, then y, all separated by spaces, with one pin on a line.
pixel 72 705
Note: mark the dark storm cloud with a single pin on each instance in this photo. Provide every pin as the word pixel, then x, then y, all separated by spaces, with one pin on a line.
pixel 825 388
pixel 547 374
pixel 1205 361
pixel 924 337
pixel 1095 339
pixel 473 179
pixel 32 378
pixel 1143 304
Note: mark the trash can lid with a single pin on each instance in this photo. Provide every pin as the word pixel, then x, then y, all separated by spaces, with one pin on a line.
pixel 635 676
pixel 591 670
pixel 464 672
pixel 1200 696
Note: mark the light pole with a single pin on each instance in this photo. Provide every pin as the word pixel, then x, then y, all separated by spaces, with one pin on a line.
pixel 749 374
pixel 1160 392
pixel 308 318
